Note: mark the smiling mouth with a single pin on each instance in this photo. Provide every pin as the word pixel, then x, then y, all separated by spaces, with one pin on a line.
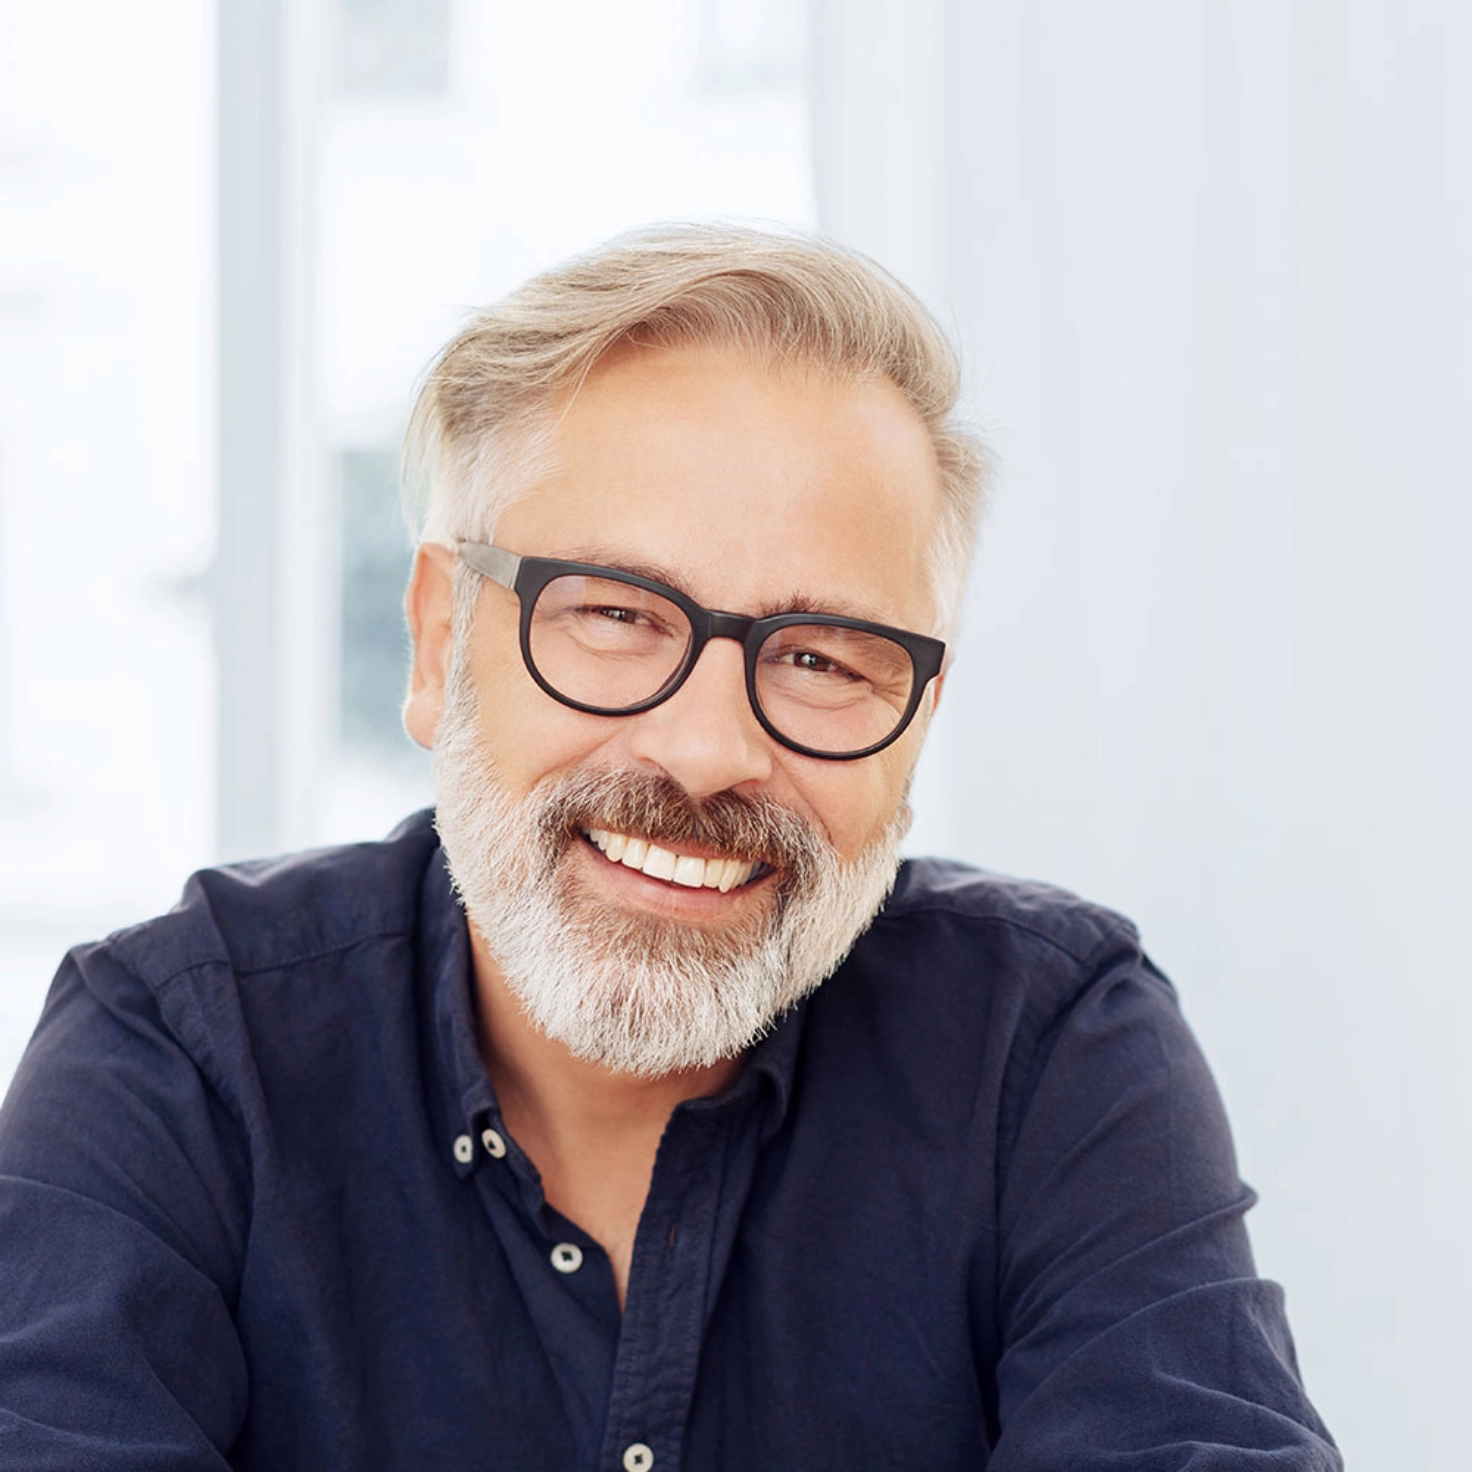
pixel 685 869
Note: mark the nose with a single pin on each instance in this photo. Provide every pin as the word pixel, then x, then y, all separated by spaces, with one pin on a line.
pixel 705 736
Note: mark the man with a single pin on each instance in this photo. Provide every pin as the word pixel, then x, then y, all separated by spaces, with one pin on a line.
pixel 529 1138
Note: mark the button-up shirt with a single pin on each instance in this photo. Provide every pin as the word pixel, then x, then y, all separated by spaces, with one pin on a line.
pixel 973 1205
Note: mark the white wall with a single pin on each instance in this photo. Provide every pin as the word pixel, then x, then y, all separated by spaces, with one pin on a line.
pixel 1210 263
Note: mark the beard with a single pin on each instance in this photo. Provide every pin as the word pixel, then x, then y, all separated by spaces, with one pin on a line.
pixel 634 992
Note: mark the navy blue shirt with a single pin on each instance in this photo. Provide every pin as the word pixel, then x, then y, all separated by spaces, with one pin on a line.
pixel 973 1205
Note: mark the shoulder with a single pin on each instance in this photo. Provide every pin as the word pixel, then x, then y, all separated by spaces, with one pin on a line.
pixel 968 938
pixel 272 914
pixel 936 892
pixel 260 965
pixel 973 976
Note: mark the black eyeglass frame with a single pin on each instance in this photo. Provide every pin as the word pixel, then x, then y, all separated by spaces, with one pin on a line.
pixel 527 576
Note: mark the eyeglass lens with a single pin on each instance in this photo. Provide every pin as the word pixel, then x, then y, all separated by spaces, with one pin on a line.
pixel 611 645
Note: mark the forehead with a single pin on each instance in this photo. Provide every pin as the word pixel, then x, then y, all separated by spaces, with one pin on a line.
pixel 751 486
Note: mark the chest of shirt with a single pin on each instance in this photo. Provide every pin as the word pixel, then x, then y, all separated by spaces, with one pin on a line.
pixel 808 1300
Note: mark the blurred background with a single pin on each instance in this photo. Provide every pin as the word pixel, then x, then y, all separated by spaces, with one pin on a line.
pixel 1211 266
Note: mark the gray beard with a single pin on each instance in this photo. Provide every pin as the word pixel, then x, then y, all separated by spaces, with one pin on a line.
pixel 634 992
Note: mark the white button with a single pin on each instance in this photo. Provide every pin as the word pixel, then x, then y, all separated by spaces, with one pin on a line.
pixel 638 1458
pixel 463 1149
pixel 567 1257
pixel 495 1145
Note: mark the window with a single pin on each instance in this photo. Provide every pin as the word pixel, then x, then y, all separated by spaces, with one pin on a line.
pixel 374 561
pixel 751 44
pixel 393 48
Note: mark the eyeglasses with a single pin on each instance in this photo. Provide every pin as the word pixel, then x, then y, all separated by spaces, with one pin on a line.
pixel 614 644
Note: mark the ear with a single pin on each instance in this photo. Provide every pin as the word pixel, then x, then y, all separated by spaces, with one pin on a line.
pixel 429 605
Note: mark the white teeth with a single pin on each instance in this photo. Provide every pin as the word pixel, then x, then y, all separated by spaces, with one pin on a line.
pixel 660 863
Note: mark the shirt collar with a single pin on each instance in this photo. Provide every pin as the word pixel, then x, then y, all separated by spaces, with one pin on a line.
pixel 464 1096
pixel 772 1062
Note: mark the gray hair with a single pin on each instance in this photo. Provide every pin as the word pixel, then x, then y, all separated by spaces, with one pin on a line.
pixel 481 429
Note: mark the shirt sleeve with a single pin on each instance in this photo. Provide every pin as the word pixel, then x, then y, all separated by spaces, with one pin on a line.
pixel 121 1227
pixel 1137 1336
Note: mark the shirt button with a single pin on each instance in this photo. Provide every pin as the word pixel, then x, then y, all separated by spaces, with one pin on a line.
pixel 495 1145
pixel 638 1458
pixel 567 1257
pixel 464 1150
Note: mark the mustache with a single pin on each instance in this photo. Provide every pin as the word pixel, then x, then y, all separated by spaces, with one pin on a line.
pixel 657 808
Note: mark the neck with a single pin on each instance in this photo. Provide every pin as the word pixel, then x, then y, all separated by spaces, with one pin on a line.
pixel 562 1103
pixel 593 1134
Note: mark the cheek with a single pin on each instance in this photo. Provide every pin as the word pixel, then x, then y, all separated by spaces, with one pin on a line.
pixel 854 801
pixel 515 730
pixel 527 734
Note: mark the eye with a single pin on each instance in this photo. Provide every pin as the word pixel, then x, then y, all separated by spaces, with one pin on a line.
pixel 813 667
pixel 835 662
pixel 819 664
pixel 618 620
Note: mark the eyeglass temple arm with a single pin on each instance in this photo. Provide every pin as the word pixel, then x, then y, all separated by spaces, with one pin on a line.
pixel 492 562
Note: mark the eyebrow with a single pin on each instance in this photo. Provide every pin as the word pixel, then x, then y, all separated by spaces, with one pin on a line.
pixel 657 573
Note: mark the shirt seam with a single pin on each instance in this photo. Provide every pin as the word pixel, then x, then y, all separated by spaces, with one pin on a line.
pixel 1118 929
pixel 296 959
pixel 406 932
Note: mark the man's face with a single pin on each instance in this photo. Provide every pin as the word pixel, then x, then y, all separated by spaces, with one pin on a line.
pixel 755 491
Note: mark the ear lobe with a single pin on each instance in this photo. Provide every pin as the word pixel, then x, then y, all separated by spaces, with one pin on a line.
pixel 429 606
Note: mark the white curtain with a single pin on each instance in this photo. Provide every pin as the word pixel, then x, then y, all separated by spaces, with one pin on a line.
pixel 1211 265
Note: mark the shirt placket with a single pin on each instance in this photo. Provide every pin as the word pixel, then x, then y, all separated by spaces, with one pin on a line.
pixel 664 1312
pixel 563 1276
